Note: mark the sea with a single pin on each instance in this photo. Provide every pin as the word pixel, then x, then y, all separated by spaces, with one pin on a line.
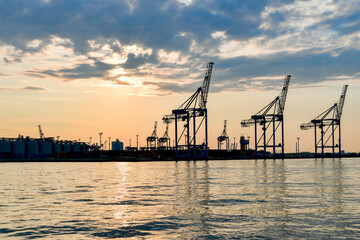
pixel 232 199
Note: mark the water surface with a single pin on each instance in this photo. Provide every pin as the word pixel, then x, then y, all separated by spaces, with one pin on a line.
pixel 263 199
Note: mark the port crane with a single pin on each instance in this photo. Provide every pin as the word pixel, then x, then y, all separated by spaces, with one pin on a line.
pixel 270 119
pixel 327 123
pixel 152 140
pixel 164 141
pixel 192 109
pixel 42 136
pixel 223 138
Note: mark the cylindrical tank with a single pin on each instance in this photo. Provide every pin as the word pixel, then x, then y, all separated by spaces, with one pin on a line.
pixel 76 147
pixel 66 147
pixel 117 145
pixel 46 148
pixel 85 147
pixel 56 147
pixel 244 143
pixel 18 147
pixel 5 146
pixel 32 147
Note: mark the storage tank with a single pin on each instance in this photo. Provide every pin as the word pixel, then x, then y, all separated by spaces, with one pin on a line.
pixel 76 147
pixel 66 147
pixel 85 147
pixel 46 148
pixel 18 147
pixel 244 144
pixel 117 145
pixel 5 146
pixel 56 147
pixel 32 147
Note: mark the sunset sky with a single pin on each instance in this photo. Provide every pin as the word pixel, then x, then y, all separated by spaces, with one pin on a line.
pixel 81 67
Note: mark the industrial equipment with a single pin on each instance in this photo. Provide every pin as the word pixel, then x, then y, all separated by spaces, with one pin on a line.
pixel 41 132
pixel 164 141
pixel 244 143
pixel 223 138
pixel 328 122
pixel 152 140
pixel 192 109
pixel 271 115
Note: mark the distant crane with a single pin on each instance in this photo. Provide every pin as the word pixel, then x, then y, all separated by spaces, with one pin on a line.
pixel 223 137
pixel 193 108
pixel 42 136
pixel 100 146
pixel 164 141
pixel 330 120
pixel 271 115
pixel 152 140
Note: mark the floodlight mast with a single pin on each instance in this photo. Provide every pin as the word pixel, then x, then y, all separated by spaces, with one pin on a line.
pixel 193 108
pixel 271 114
pixel 330 120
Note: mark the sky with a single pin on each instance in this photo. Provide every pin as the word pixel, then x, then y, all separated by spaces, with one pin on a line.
pixel 81 67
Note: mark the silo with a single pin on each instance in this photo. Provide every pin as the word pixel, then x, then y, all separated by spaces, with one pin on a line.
pixel 18 147
pixel 5 146
pixel 117 145
pixel 56 147
pixel 76 147
pixel 32 147
pixel 66 147
pixel 46 148
pixel 85 147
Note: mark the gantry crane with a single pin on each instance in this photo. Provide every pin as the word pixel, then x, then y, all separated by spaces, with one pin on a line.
pixel 152 140
pixel 328 122
pixel 188 112
pixel 164 141
pixel 271 115
pixel 223 137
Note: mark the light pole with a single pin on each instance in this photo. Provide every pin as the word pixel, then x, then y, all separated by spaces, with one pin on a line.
pixel 109 143
pixel 298 145
pixel 137 142
pixel 100 133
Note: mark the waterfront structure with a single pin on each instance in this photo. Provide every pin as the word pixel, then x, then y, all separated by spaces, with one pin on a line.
pixel 270 120
pixel 327 127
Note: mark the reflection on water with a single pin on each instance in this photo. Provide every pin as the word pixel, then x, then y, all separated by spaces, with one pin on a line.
pixel 271 199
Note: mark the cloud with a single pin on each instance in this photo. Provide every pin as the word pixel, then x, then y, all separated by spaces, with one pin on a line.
pixel 34 88
pixel 26 88
pixel 164 45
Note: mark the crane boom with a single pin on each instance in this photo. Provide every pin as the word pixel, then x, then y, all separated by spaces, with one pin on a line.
pixel 283 95
pixel 206 84
pixel 247 123
pixel 154 135
pixel 340 104
pixel 41 132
